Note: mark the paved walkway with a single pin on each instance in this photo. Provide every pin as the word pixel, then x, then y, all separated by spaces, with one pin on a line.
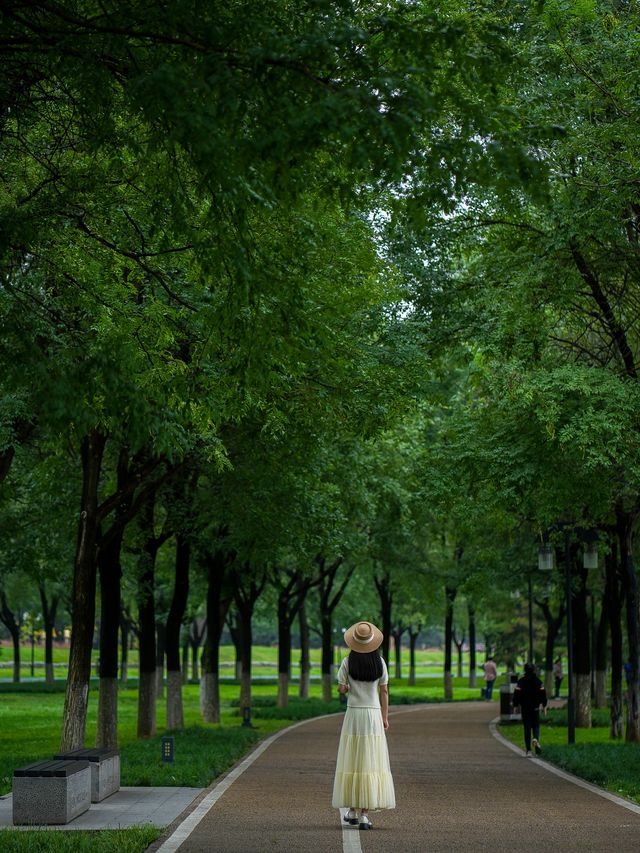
pixel 458 789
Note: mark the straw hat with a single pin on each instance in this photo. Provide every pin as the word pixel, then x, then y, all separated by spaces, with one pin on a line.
pixel 363 637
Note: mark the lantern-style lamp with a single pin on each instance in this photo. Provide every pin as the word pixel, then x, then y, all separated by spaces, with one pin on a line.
pixel 545 557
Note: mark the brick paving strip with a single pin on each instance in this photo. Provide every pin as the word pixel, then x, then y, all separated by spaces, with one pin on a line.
pixel 458 789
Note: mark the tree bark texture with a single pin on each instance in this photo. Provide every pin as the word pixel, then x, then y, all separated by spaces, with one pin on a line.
pixel 473 662
pixel 613 603
pixel 601 650
pixel 329 600
pixel 175 713
pixel 83 596
pixel 161 633
pixel 397 633
pixel 147 624
pixel 582 650
pixel 8 618
pixel 305 654
pixel 218 601
pixel 450 597
pixel 413 639
pixel 110 570
pixel 49 619
pixel 383 585
pixel 630 581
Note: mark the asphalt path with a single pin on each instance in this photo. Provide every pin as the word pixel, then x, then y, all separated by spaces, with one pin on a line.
pixel 458 788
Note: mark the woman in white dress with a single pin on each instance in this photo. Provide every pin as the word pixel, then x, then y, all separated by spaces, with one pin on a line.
pixel 363 778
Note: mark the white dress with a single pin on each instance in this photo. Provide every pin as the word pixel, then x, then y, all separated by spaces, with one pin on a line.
pixel 363 777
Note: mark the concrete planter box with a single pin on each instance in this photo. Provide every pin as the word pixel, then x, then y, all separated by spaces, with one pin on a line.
pixel 51 792
pixel 105 770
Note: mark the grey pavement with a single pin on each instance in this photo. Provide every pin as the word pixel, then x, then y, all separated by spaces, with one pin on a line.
pixel 127 807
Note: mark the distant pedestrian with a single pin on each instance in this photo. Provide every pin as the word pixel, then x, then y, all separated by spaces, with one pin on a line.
pixel 363 778
pixel 558 675
pixel 490 675
pixel 529 695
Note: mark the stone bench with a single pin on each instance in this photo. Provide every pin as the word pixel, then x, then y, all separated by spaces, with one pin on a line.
pixel 51 792
pixel 105 769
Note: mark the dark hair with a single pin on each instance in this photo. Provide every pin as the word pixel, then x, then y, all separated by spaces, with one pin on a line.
pixel 529 669
pixel 365 666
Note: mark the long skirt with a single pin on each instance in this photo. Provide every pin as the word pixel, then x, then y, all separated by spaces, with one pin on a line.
pixel 363 777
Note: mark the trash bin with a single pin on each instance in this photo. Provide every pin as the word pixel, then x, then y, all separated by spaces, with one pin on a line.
pixel 507 714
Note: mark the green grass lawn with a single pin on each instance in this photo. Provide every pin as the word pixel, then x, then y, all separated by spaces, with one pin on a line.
pixel 265 659
pixel 613 765
pixel 133 840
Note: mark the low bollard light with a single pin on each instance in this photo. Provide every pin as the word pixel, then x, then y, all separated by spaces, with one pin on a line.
pixel 168 749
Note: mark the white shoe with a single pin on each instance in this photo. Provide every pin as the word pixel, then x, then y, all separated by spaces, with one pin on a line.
pixel 351 817
pixel 528 753
pixel 365 823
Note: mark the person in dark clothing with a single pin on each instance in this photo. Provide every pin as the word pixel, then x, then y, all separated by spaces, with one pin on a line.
pixel 529 695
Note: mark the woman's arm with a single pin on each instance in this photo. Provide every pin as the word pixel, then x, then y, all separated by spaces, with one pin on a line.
pixel 384 705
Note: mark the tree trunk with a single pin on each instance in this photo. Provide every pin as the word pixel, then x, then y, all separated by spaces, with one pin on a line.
pixel 49 619
pixel 284 651
pixel 124 648
pixel 147 622
pixel 630 581
pixel 614 606
pixel 110 611
pixel 383 585
pixel 245 599
pixel 175 712
pixel 217 607
pixel 413 638
pixel 397 637
pixel 305 656
pixel 8 618
pixel 473 663
pixel 161 633
pixel 582 652
pixel 600 656
pixel 327 656
pixel 450 594
pixel 83 597
pixel 236 639
pixel 185 660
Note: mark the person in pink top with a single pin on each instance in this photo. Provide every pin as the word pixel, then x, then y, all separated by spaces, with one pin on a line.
pixel 490 675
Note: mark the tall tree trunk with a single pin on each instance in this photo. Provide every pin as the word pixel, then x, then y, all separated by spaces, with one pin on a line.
pixel 328 603
pixel 12 625
pixel 245 595
pixel 83 596
pixel 383 585
pixel 175 712
pixel 553 624
pixel 326 626
pixel 305 656
pixel 397 642
pixel 614 607
pixel 125 625
pixel 600 656
pixel 49 619
pixel 161 635
pixel 147 622
pixel 185 658
pixel 473 663
pixel 236 639
pixel 450 596
pixel 459 644
pixel 217 607
pixel 582 652
pixel 414 633
pixel 625 538
pixel 110 611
